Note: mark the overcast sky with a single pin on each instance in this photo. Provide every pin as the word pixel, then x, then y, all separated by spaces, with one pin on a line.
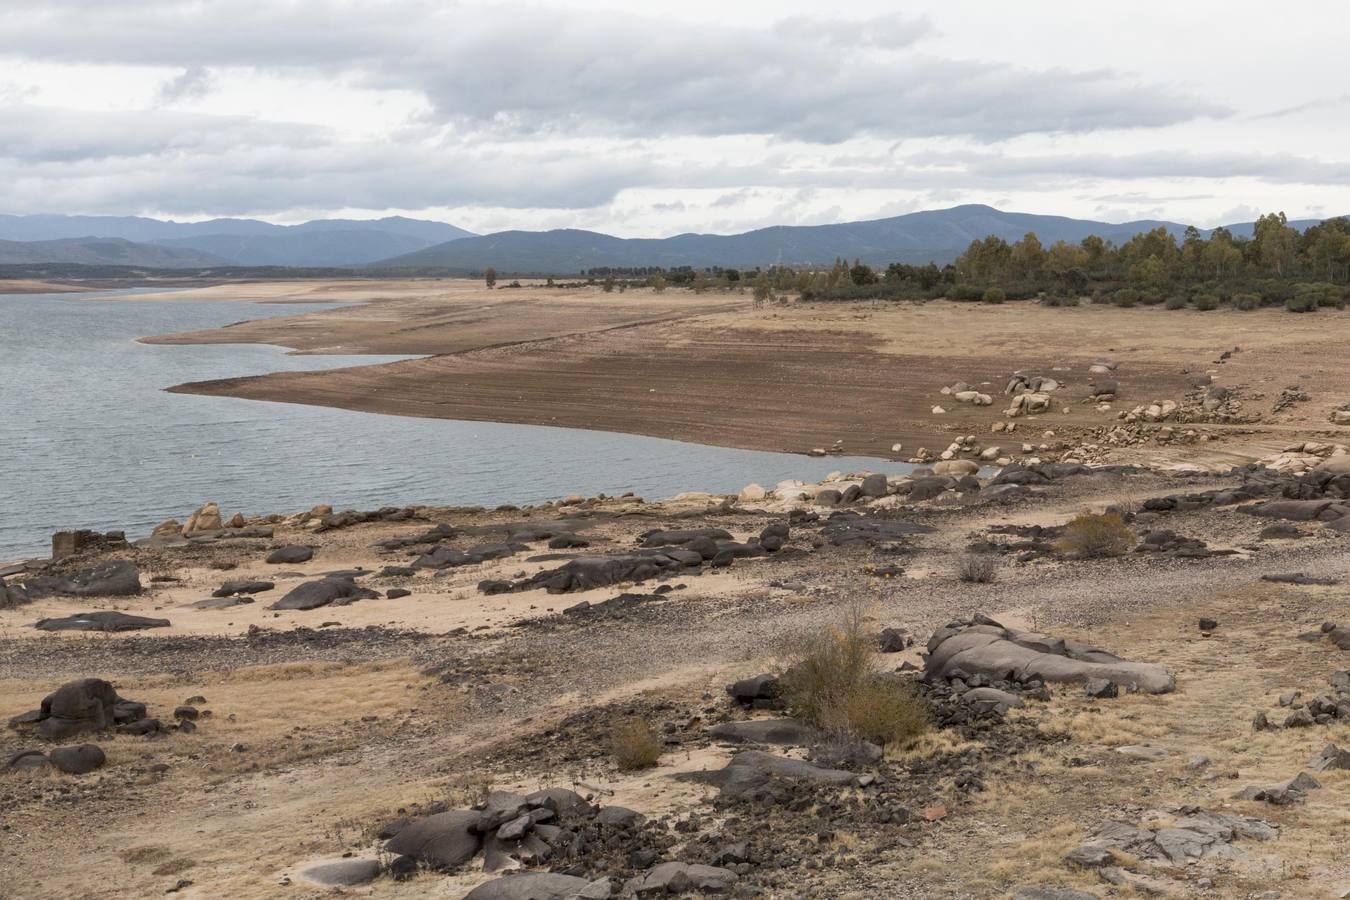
pixel 686 116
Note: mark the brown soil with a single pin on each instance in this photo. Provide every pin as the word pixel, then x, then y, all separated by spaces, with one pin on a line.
pixel 711 369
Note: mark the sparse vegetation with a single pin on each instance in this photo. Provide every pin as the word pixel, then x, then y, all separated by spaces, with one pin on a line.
pixel 994 295
pixel 636 745
pixel 490 277
pixel 976 568
pixel 1096 536
pixel 831 683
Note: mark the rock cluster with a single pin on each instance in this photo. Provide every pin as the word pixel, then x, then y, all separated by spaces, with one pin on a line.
pixel 80 707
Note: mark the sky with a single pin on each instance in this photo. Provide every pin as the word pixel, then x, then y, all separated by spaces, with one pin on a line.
pixel 652 119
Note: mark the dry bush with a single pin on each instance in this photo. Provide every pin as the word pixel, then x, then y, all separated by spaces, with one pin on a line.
pixel 976 568
pixel 830 683
pixel 637 746
pixel 1096 536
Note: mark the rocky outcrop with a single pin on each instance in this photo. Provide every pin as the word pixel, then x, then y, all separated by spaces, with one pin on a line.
pixel 205 519
pixel 116 578
pixel 80 707
pixel 983 647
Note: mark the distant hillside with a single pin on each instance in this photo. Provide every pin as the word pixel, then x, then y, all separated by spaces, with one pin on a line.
pixel 104 251
pixel 249 242
pixel 937 236
pixel 933 236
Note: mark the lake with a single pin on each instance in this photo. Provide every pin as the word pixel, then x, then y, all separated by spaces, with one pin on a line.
pixel 89 438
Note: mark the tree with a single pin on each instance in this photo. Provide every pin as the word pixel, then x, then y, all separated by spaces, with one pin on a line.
pixel 608 284
pixel 1027 256
pixel 861 274
pixel 700 282
pixel 1275 243
pixel 490 276
pixel 658 282
pixel 763 289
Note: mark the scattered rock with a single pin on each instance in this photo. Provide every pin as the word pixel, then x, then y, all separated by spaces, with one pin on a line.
pixel 100 621
pixel 78 760
pixel 290 554
pixel 342 872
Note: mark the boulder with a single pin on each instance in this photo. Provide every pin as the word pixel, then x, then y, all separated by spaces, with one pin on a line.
pixel 168 528
pixel 342 872
pixel 77 707
pixel 874 486
pixel 538 886
pixel 26 761
pixel 751 770
pixel 324 592
pixel 774 536
pixel 100 621
pixel 1331 757
pixel 116 578
pixel 983 647
pixel 755 691
pixel 619 817
pixel 207 518
pixel 991 698
pixel 290 555
pixel 442 841
pixel 564 803
pixel 78 760
pixel 956 467
pixel 752 493
pixel 683 878
pixel 665 538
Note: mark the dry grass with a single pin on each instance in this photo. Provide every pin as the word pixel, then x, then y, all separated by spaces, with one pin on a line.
pixel 1096 536
pixel 636 745
pixel 830 682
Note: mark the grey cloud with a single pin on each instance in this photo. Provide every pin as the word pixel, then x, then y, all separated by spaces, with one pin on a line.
pixel 194 82
pixel 530 70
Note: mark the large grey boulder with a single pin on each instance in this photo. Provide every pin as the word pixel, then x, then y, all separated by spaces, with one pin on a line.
pixel 1299 510
pixel 290 554
pixel 342 872
pixel 682 878
pixel 983 647
pixel 442 841
pixel 539 886
pixel 663 538
pixel 116 578
pixel 77 707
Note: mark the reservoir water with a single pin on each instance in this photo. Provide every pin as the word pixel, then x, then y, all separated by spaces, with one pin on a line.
pixel 89 438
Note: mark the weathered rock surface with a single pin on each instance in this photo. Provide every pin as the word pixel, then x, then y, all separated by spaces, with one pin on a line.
pixel 324 592
pixel 982 646
pixel 342 872
pixel 535 886
pixel 785 732
pixel 78 760
pixel 291 554
pixel 79 707
pixel 442 841
pixel 100 621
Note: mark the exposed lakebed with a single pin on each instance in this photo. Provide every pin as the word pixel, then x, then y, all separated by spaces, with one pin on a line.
pixel 90 439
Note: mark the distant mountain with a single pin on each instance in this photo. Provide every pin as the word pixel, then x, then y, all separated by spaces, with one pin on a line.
pixel 105 251
pixel 249 242
pixel 932 236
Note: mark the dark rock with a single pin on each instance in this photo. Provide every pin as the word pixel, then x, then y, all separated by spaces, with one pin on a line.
pixel 342 872
pixel 186 712
pixel 874 485
pixel 663 538
pixel 564 803
pixel 1300 578
pixel 682 878
pixel 442 841
pixel 78 760
pixel 290 555
pixel 774 536
pixel 397 593
pixel 760 687
pixel 230 588
pixel 785 732
pixel 620 817
pixel 1280 531
pixel 567 541
pixel 829 497
pixel 100 621
pixel 218 603
pixel 1208 625
pixel 895 640
pixel 750 771
pixel 1331 757
pixel 326 591
pixel 535 886
pixel 77 707
pixel 398 571
pixel 117 578
pixel 26 761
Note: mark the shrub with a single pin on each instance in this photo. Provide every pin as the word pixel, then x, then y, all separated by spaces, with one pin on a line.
pixel 994 295
pixel 976 568
pixel 1151 297
pixel 1177 301
pixel 636 745
pixel 964 292
pixel 1206 302
pixel 1100 296
pixel 1309 296
pixel 1125 297
pixel 1246 302
pixel 1301 303
pixel 830 682
pixel 1093 536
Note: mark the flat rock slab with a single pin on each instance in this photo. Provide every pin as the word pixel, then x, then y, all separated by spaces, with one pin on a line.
pixel 981 646
pixel 751 769
pixel 290 555
pixel 784 732
pixel 537 886
pixel 442 841
pixel 1300 578
pixel 342 872
pixel 218 603
pixel 324 592
pixel 100 621
pixel 230 588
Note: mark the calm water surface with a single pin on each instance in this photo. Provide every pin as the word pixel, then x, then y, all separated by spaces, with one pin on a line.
pixel 89 439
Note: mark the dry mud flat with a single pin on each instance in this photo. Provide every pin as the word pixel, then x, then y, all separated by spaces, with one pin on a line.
pixel 317 729
pixel 860 376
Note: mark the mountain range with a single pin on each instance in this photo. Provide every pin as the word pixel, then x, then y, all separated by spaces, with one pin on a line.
pixel 932 236
pixel 217 242
pixel 395 242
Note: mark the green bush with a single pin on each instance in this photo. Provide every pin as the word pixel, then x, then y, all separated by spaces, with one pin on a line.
pixel 1095 536
pixel 1246 302
pixel 994 295
pixel 1309 296
pixel 1100 296
pixel 1177 301
pixel 1125 297
pixel 1151 297
pixel 965 293
pixel 1206 302
pixel 1301 303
